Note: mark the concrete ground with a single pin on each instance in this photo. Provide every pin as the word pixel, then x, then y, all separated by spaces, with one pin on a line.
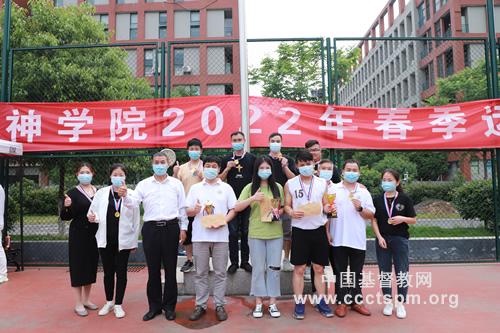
pixel 41 300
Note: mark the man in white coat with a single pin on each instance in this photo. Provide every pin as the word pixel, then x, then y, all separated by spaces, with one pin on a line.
pixel 3 258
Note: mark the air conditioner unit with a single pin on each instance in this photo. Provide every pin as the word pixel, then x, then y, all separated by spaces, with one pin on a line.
pixel 186 69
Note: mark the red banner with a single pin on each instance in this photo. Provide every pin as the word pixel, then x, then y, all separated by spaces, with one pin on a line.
pixel 171 122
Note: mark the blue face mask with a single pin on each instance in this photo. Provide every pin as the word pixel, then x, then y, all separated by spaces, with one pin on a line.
pixel 275 147
pixel 194 154
pixel 351 177
pixel 210 173
pixel 238 145
pixel 84 178
pixel 388 186
pixel 160 169
pixel 326 174
pixel 307 170
pixel 117 181
pixel 264 173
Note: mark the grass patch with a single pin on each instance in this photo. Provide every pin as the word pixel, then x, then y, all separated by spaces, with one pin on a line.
pixel 434 232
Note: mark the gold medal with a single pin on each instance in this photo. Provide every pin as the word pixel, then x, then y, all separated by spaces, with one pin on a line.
pixel 236 162
pixel 117 214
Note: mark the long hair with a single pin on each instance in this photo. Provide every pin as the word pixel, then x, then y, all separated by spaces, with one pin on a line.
pixel 396 176
pixel 271 180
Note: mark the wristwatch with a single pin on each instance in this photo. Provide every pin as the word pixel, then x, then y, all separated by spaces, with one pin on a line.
pixel 360 209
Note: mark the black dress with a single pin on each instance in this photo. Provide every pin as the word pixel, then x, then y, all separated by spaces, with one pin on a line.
pixel 82 244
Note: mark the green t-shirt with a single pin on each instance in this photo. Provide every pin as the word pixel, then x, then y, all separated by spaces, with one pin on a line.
pixel 257 228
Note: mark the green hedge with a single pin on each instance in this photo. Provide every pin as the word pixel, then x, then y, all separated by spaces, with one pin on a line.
pixel 475 200
pixel 421 191
pixel 37 200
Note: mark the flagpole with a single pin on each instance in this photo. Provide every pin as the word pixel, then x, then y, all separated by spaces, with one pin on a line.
pixel 245 127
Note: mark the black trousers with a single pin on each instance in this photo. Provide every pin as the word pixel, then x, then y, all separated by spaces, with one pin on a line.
pixel 161 245
pixel 237 226
pixel 342 257
pixel 114 262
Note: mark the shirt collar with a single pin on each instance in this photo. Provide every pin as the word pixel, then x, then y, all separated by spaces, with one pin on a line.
pixel 154 180
pixel 218 182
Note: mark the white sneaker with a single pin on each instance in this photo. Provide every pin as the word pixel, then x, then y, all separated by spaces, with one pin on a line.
pixel 106 308
pixel 273 311
pixel 400 311
pixel 287 266
pixel 307 274
pixel 257 312
pixel 119 313
pixel 3 279
pixel 389 307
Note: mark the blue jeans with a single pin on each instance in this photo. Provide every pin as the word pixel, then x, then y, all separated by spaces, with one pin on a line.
pixel 398 252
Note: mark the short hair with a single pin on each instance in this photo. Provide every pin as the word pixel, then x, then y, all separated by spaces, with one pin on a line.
pixel 118 166
pixel 212 159
pixel 325 161
pixel 194 142
pixel 275 134
pixel 351 161
pixel 237 133
pixel 312 142
pixel 303 156
pixel 160 154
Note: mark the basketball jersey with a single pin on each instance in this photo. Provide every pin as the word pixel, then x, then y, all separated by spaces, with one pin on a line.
pixel 303 194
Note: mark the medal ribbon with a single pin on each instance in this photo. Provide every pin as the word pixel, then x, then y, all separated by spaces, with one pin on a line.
pixel 84 193
pixel 309 193
pixel 389 211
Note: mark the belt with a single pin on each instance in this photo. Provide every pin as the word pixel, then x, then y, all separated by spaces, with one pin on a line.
pixel 164 223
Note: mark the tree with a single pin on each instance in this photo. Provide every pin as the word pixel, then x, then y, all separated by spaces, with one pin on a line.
pixel 347 61
pixel 295 74
pixel 64 75
pixel 470 84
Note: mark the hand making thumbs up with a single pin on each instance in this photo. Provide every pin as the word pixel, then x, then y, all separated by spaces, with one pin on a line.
pixel 197 207
pixel 122 190
pixel 258 196
pixel 67 201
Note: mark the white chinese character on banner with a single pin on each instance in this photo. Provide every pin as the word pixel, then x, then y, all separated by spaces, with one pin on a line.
pixel 490 118
pixel 403 279
pixel 76 121
pixel 448 118
pixel 332 116
pixel 132 121
pixel 367 281
pixel 385 279
pixel 394 123
pixel 424 279
pixel 27 125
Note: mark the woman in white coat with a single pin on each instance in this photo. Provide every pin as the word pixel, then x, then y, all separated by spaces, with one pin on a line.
pixel 116 237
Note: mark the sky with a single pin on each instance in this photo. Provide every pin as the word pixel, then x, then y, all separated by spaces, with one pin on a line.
pixel 305 18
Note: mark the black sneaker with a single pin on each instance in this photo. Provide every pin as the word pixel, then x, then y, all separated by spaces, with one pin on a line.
pixel 197 313
pixel 187 267
pixel 232 269
pixel 247 267
pixel 220 313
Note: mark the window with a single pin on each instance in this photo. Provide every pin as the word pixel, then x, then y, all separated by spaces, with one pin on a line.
pixel 228 59
pixel 178 60
pixel 132 60
pixel 448 59
pixel 99 2
pixel 437 31
pixel 186 61
pixel 195 23
pixel 104 20
pixel 219 89
pixel 427 9
pixel 150 61
pixel 187 90
pixel 421 15
pixel 63 3
pixel 440 65
pixel 162 26
pixel 220 60
pixel 447 25
pixel 133 26
pixel 437 5
pixel 228 23
pixel 125 1
pixel 465 25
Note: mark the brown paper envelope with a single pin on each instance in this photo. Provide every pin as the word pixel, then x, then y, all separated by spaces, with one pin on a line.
pixel 213 221
pixel 266 210
pixel 310 209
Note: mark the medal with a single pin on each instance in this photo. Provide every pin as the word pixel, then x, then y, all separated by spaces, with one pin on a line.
pixel 389 210
pixel 117 214
pixel 117 205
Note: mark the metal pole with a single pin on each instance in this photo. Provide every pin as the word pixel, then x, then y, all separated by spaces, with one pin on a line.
pixel 155 50
pixel 323 70
pixel 492 47
pixel 5 48
pixel 336 72
pixel 21 210
pixel 494 181
pixel 245 126
pixel 329 69
pixel 162 93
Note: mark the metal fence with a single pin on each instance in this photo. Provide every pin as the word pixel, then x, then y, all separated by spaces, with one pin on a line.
pixel 456 193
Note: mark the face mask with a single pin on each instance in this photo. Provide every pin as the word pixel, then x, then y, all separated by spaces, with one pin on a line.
pixel 275 147
pixel 160 169
pixel 210 173
pixel 194 154
pixel 84 178
pixel 117 181
pixel 307 170
pixel 238 145
pixel 351 177
pixel 388 186
pixel 264 173
pixel 326 174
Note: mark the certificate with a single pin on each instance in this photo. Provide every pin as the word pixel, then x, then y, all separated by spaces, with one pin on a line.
pixel 213 221
pixel 311 209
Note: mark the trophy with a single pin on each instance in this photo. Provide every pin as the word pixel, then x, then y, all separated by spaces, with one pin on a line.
pixel 275 209
pixel 330 198
pixel 209 208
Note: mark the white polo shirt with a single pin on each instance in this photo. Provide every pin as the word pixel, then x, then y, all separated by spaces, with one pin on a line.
pixel 162 201
pixel 349 228
pixel 222 196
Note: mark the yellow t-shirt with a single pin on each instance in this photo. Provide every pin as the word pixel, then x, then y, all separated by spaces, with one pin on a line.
pixel 190 175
